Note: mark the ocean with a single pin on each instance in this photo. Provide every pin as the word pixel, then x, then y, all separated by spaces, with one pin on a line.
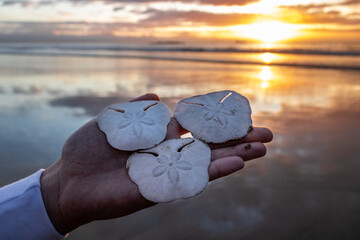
pixel 306 187
pixel 342 56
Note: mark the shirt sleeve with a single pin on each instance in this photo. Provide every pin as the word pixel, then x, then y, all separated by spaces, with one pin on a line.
pixel 22 211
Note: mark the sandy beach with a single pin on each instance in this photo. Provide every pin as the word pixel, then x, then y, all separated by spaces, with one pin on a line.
pixel 305 186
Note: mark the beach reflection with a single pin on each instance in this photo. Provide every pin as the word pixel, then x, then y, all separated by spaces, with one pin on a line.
pixel 308 180
pixel 265 75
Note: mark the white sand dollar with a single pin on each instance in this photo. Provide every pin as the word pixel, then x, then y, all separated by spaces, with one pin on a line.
pixel 134 125
pixel 215 117
pixel 175 169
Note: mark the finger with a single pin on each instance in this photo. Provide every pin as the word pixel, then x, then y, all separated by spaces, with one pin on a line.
pixel 258 134
pixel 224 166
pixel 246 151
pixel 146 97
pixel 174 129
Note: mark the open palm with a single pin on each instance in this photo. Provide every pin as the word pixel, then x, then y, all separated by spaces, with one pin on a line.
pixel 90 181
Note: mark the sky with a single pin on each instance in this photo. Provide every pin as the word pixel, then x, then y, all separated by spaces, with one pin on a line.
pixel 181 20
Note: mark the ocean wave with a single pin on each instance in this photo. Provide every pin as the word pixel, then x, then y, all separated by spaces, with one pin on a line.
pixel 181 48
pixel 183 59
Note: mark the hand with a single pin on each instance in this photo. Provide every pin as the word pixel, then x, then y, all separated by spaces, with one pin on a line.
pixel 90 182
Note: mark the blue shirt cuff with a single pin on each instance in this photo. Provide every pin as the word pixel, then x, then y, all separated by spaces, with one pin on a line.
pixel 22 211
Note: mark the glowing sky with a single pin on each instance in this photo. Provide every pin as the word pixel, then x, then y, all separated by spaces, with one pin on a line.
pixel 183 20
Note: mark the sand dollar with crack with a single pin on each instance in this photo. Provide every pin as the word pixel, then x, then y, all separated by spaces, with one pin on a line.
pixel 175 169
pixel 134 125
pixel 215 117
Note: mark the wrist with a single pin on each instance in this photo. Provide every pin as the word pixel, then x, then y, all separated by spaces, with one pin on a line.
pixel 50 190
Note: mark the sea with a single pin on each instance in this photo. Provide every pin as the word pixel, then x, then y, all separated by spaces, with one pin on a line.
pixel 307 185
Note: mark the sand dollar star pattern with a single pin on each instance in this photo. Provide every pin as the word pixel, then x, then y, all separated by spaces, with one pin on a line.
pixel 135 121
pixel 218 112
pixel 171 166
pixel 174 169
pixel 215 117
pixel 137 125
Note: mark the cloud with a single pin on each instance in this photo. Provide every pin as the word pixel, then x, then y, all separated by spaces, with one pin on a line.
pixel 334 17
pixel 328 13
pixel 33 31
pixel 121 21
pixel 212 2
pixel 228 2
pixel 68 31
pixel 35 3
pixel 298 16
pixel 27 3
pixel 314 6
pixel 159 18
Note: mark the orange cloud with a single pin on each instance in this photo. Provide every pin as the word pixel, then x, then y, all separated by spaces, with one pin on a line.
pixel 177 23
pixel 212 2
pixel 41 3
pixel 161 18
pixel 322 13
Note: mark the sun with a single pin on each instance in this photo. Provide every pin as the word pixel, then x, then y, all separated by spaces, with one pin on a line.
pixel 269 32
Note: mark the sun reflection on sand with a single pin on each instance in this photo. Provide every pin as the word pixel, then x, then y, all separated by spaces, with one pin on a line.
pixel 313 112
pixel 265 75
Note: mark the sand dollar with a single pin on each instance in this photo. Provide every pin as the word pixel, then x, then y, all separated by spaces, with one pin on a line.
pixel 134 125
pixel 215 117
pixel 175 169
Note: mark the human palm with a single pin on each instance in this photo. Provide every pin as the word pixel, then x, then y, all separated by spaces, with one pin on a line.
pixel 90 181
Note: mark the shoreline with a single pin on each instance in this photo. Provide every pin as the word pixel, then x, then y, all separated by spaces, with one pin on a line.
pixel 184 59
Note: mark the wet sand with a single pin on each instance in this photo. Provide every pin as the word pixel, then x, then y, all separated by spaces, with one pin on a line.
pixel 305 188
